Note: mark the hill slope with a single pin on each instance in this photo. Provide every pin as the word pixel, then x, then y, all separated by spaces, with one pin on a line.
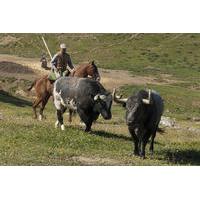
pixel 112 50
pixel 168 63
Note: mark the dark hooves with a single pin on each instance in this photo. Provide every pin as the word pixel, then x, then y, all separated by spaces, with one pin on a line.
pixel 151 155
pixel 88 130
pixel 137 154
pixel 142 156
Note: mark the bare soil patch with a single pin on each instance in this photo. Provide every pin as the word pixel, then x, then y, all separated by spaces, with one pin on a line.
pixel 11 67
pixel 33 63
pixel 117 78
pixel 96 161
pixel 109 78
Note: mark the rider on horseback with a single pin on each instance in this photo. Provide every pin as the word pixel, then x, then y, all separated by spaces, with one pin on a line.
pixel 61 64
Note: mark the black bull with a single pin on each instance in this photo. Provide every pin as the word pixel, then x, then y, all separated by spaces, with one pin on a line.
pixel 143 113
pixel 88 97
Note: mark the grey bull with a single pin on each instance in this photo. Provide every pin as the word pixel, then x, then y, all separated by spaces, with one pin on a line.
pixel 88 97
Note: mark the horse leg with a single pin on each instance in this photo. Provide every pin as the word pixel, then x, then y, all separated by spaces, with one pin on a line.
pixel 34 110
pixel 44 102
pixel 35 104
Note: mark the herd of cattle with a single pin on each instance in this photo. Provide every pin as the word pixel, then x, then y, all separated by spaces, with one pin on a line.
pixel 89 99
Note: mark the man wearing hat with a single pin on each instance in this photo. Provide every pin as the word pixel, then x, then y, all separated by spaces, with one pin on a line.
pixel 61 64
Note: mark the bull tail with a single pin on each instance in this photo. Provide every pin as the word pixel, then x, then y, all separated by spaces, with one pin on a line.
pixel 32 85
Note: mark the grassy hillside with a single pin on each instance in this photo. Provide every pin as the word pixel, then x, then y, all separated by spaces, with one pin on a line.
pixel 179 103
pixel 171 59
pixel 155 54
pixel 24 141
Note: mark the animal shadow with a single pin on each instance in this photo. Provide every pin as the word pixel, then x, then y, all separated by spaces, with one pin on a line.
pixel 8 98
pixel 111 135
pixel 183 157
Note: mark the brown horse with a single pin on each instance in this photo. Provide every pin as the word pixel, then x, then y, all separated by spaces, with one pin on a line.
pixel 87 70
pixel 44 87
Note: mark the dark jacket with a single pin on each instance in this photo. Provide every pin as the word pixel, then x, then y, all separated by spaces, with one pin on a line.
pixel 61 61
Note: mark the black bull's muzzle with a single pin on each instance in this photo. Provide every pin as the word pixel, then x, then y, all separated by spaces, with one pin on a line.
pixel 106 115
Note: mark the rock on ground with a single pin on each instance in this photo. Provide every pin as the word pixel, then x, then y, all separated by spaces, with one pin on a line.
pixel 167 122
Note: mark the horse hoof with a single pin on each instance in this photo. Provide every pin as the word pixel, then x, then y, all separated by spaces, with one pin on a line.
pixel 57 124
pixel 62 127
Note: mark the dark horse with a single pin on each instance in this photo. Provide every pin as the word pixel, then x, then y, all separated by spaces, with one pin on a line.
pixel 44 87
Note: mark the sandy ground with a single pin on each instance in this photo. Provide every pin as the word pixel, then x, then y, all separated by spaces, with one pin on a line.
pixel 109 78
pixel 29 62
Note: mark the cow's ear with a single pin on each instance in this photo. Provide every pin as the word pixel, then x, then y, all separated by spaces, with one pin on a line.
pixel 92 62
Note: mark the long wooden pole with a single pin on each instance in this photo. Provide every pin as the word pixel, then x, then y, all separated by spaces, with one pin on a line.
pixel 45 44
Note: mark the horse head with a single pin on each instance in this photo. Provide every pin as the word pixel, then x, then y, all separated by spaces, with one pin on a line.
pixel 93 71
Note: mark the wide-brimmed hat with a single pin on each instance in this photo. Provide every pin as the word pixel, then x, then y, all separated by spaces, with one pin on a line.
pixel 63 46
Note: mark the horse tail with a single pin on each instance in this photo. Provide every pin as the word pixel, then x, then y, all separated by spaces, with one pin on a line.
pixel 32 85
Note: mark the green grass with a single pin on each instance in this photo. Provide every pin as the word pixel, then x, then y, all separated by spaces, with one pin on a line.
pixel 24 141
pixel 180 102
pixel 176 54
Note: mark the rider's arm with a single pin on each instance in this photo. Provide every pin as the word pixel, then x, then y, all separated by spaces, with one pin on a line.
pixel 70 63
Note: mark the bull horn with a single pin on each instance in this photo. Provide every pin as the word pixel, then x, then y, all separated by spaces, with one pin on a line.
pixel 147 101
pixel 102 97
pixel 96 97
pixel 118 99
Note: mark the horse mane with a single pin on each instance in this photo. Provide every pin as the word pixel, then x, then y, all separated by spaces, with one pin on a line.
pixel 86 69
pixel 81 66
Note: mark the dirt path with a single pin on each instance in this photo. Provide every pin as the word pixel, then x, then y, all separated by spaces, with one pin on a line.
pixel 117 78
pixel 29 62
pixel 89 161
pixel 110 78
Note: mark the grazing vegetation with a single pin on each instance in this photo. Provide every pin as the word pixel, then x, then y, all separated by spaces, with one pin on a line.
pixel 24 141
pixel 171 59
pixel 180 102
